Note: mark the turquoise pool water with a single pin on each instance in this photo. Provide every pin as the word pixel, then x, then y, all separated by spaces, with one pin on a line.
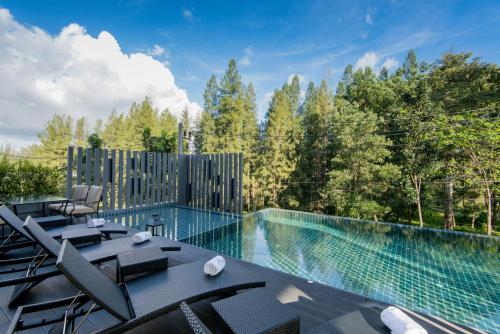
pixel 180 223
pixel 455 276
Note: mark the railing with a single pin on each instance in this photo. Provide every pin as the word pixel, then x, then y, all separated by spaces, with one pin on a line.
pixel 136 178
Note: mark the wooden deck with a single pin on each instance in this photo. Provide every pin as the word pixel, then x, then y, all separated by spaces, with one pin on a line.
pixel 316 303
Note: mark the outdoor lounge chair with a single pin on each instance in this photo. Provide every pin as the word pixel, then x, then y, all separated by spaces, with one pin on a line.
pixel 19 238
pixel 90 206
pixel 79 194
pixel 41 267
pixel 140 300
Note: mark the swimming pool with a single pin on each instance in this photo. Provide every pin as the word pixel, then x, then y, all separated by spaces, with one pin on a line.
pixel 451 275
pixel 180 223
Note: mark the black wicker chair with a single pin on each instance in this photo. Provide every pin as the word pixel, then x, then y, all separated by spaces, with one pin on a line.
pixel 139 300
pixel 19 238
pixel 41 267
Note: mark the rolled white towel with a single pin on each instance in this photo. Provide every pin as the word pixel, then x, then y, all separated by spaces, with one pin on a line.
pixel 141 237
pixel 96 222
pixel 400 323
pixel 214 266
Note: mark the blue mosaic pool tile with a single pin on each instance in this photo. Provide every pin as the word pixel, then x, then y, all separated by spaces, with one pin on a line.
pixel 447 274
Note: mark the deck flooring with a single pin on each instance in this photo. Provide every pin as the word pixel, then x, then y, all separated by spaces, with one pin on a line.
pixel 316 303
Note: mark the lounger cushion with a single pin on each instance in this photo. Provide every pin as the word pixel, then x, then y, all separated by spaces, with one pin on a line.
pixel 78 209
pixel 164 290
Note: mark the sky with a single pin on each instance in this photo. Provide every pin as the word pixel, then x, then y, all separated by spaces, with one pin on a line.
pixel 86 58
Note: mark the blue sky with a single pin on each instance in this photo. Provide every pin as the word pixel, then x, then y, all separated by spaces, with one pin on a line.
pixel 273 39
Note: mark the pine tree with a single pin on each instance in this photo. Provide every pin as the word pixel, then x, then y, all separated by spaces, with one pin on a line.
pixel 410 66
pixel 210 96
pixel 168 122
pixel 205 140
pixel 360 172
pixel 55 139
pixel 384 74
pixel 345 82
pixel 141 116
pixel 81 132
pixel 116 134
pixel 292 92
pixel 279 148
pixel 314 152
pixel 186 127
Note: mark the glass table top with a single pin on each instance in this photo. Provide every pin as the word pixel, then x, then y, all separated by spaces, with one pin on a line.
pixel 20 200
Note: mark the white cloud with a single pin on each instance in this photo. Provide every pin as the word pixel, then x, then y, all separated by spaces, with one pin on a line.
pixel 390 63
pixel 247 54
pixel 76 74
pixel 156 51
pixel 188 14
pixel 369 59
pixel 369 18
pixel 373 60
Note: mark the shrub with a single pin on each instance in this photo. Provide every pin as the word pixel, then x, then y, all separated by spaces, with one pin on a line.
pixel 23 177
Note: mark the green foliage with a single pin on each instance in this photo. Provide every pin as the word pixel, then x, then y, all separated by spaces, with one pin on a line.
pixel 419 144
pixel 94 141
pixel 54 140
pixel 162 143
pixel 229 124
pixel 360 174
pixel 24 178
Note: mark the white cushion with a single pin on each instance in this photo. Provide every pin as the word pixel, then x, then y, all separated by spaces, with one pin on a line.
pixel 78 209
pixel 55 206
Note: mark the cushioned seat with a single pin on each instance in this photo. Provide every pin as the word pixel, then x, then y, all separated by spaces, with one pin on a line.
pixel 79 194
pixel 78 209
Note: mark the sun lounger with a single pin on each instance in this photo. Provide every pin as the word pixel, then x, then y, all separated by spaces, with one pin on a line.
pixel 40 266
pixel 143 299
pixel 19 238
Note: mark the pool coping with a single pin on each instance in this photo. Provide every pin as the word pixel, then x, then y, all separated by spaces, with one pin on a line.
pixel 398 225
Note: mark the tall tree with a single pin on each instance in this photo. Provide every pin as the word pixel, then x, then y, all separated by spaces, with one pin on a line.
pixel 292 92
pixel 345 82
pixel 168 122
pixel 55 139
pixel 116 132
pixel 314 149
pixel 210 96
pixel 141 116
pixel 279 147
pixel 466 94
pixel 360 172
pixel 186 127
pixel 81 132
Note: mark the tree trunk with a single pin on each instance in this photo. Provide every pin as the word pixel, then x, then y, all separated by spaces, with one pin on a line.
pixel 473 223
pixel 489 216
pixel 449 217
pixel 418 184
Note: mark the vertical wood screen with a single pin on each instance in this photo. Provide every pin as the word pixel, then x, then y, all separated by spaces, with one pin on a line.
pixel 137 178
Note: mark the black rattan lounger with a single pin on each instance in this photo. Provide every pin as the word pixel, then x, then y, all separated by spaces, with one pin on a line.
pixel 142 299
pixel 19 238
pixel 40 266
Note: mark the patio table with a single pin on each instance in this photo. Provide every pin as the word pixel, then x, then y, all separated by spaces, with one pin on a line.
pixel 15 202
